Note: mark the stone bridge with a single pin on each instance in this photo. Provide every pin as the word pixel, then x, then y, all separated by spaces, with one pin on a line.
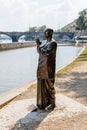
pixel 57 35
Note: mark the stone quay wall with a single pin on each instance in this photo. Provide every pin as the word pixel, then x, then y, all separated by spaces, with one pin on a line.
pixel 15 45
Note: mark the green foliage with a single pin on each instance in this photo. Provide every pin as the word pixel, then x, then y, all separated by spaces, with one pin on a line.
pixel 32 29
pixel 41 28
pixel 82 20
pixel 30 37
pixel 37 29
pixel 65 29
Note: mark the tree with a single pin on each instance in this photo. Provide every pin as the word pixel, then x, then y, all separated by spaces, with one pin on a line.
pixel 82 20
pixel 37 29
pixel 42 28
pixel 65 29
pixel 31 36
pixel 32 29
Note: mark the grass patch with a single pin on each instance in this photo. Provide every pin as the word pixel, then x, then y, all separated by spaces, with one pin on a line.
pixel 78 61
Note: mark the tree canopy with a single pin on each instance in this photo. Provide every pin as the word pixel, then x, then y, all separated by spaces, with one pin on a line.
pixel 82 20
pixel 37 29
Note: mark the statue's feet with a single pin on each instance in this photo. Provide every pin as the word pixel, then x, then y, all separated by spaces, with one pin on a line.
pixel 34 109
pixel 50 107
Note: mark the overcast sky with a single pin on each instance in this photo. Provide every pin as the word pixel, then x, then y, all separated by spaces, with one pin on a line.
pixel 18 15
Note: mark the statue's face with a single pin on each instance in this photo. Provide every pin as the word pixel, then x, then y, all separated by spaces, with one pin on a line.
pixel 48 34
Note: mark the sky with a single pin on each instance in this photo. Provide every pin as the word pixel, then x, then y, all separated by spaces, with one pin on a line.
pixel 19 15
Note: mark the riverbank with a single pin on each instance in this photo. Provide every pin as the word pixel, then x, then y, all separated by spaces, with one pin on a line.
pixel 71 99
pixel 16 45
pixel 78 66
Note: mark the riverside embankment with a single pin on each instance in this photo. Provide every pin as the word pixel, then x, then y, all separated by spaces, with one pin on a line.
pixel 76 70
pixel 71 101
pixel 15 45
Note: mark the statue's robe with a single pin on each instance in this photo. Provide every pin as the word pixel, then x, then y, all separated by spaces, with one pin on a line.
pixel 46 74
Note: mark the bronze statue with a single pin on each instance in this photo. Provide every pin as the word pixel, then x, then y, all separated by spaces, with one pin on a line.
pixel 46 71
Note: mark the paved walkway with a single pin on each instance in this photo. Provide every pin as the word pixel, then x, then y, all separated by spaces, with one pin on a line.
pixel 18 115
pixel 71 101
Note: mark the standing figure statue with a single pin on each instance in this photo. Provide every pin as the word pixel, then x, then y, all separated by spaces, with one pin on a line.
pixel 46 71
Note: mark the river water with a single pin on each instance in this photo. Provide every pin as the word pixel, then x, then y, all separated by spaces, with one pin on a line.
pixel 18 67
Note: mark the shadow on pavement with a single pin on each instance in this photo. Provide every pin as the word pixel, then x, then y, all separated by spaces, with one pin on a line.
pixel 31 121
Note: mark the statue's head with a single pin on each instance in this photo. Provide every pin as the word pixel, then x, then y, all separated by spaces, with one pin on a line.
pixel 48 32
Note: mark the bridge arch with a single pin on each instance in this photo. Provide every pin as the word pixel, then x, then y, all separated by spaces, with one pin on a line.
pixel 33 35
pixel 21 38
pixel 2 33
pixel 4 37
